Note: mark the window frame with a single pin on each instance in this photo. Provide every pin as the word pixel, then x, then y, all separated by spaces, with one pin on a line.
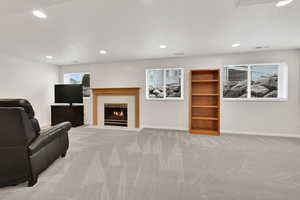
pixel 282 83
pixel 65 73
pixel 165 98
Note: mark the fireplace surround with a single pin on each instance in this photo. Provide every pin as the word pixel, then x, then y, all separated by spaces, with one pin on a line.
pixel 103 92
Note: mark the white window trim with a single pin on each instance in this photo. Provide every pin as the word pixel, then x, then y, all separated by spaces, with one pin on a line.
pixel 78 73
pixel 164 86
pixel 255 99
pixel 282 81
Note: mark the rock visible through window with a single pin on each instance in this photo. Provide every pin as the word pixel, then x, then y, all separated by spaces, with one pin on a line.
pixel 164 83
pixel 264 81
pixel 255 81
pixel 235 82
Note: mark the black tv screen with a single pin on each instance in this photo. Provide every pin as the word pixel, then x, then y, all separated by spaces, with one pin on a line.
pixel 68 93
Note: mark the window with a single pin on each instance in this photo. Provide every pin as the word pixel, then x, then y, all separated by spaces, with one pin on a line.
pixel 79 78
pixel 255 82
pixel 164 83
pixel 235 82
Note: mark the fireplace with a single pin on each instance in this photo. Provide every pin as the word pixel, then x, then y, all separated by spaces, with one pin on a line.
pixel 130 96
pixel 115 114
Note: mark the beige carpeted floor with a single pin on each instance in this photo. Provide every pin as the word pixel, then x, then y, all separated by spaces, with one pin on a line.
pixel 168 165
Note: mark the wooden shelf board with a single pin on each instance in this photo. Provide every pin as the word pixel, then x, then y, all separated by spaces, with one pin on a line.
pixel 205 70
pixel 206 118
pixel 205 81
pixel 205 132
pixel 204 94
pixel 198 106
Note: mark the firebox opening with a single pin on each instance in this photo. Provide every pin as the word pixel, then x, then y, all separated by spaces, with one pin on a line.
pixel 115 115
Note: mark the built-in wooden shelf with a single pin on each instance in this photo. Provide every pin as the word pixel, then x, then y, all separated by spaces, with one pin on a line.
pixel 205 118
pixel 198 106
pixel 205 102
pixel 205 81
pixel 205 131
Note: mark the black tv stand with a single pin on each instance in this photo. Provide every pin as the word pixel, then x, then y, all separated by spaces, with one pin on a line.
pixel 71 113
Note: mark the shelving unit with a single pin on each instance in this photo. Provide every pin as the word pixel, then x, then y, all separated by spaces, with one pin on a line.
pixel 205 102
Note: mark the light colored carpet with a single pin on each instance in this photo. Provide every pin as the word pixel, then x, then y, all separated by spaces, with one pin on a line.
pixel 168 165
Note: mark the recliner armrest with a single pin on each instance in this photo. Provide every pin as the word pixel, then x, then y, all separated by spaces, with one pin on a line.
pixel 64 126
pixel 48 135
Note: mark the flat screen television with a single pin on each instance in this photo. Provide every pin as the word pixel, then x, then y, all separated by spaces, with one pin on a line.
pixel 68 93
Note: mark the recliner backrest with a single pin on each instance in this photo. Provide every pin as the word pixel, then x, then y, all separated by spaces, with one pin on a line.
pixel 15 127
pixel 16 133
pixel 33 125
pixel 18 103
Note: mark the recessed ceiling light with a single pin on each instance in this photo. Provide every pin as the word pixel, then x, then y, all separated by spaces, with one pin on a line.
pixel 236 45
pixel 103 52
pixel 49 57
pixel 162 46
pixel 39 14
pixel 283 3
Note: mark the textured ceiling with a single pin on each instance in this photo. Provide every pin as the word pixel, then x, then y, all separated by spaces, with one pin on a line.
pixel 254 2
pixel 76 30
pixel 19 7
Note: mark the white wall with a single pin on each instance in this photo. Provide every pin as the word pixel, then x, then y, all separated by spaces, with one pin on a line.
pixel 250 117
pixel 32 81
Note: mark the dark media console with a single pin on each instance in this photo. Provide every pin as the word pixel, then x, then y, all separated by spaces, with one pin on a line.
pixel 62 113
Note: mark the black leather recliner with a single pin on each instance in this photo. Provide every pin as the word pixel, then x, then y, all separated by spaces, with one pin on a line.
pixel 25 149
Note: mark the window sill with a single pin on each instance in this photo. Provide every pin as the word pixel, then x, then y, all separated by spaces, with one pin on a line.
pixel 255 99
pixel 169 99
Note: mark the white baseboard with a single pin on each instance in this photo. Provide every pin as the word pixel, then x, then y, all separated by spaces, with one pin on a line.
pixel 166 128
pixel 261 134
